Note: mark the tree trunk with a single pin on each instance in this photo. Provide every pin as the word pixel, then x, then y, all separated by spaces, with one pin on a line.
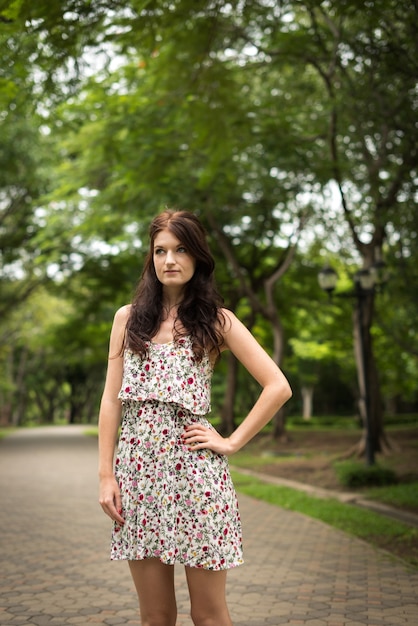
pixel 370 401
pixel 279 419
pixel 227 410
pixel 21 396
pixel 6 396
pixel 307 398
pixel 279 427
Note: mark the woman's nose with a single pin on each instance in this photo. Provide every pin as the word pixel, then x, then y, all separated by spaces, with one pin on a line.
pixel 169 259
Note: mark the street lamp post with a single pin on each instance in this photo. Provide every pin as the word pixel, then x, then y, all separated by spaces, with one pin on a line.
pixel 366 281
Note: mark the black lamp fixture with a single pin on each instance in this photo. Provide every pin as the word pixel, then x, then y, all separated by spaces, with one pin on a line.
pixel 366 280
pixel 327 279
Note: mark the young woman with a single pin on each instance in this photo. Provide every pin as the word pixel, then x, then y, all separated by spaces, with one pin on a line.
pixel 169 492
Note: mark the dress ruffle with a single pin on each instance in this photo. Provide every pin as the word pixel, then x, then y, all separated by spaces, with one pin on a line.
pixel 170 373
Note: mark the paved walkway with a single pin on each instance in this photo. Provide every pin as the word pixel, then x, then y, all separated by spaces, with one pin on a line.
pixel 54 546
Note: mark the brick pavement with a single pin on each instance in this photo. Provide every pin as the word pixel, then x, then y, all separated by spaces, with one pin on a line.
pixel 55 569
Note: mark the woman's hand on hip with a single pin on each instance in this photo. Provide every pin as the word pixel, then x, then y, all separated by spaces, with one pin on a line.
pixel 198 437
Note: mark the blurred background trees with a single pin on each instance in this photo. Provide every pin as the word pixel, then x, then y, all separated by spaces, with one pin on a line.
pixel 289 127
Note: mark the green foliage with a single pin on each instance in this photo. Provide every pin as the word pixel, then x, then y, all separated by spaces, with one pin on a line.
pixel 53 364
pixel 246 113
pixel 356 475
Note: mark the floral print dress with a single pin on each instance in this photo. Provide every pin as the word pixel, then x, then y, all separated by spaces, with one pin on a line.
pixel 179 505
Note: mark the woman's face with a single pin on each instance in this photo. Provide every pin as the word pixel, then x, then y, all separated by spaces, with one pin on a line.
pixel 173 264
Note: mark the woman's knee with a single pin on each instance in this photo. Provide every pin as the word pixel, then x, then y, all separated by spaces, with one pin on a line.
pixel 207 596
pixel 200 617
pixel 158 618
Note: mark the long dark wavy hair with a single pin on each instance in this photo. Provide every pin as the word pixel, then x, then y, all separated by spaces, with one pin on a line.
pixel 199 313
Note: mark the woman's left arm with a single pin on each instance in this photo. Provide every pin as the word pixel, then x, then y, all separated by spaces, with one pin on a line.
pixel 275 392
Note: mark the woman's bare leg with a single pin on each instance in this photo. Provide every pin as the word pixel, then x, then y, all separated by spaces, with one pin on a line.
pixel 154 583
pixel 207 597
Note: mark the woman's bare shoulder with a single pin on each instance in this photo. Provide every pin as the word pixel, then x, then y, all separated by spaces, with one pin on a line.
pixel 122 314
pixel 226 318
pixel 235 333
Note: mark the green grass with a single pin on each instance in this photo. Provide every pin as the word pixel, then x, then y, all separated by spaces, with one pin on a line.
pixel 403 495
pixel 92 432
pixel 253 460
pixel 6 431
pixel 395 537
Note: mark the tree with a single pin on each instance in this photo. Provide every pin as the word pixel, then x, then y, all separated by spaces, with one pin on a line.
pixel 245 112
pixel 372 140
pixel 22 181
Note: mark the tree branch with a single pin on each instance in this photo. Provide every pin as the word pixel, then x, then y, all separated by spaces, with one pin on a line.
pixel 226 248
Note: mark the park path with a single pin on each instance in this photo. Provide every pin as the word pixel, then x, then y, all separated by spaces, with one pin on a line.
pixel 54 543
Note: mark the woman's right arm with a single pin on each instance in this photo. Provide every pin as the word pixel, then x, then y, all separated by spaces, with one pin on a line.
pixel 109 419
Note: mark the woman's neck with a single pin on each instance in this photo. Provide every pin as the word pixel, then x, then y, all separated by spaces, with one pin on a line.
pixel 172 299
pixel 171 305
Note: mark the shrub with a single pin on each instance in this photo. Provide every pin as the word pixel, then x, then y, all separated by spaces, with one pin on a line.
pixel 355 474
pixel 404 419
pixel 324 421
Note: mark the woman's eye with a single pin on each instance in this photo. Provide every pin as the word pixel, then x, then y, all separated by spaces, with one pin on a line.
pixel 158 251
pixel 181 249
